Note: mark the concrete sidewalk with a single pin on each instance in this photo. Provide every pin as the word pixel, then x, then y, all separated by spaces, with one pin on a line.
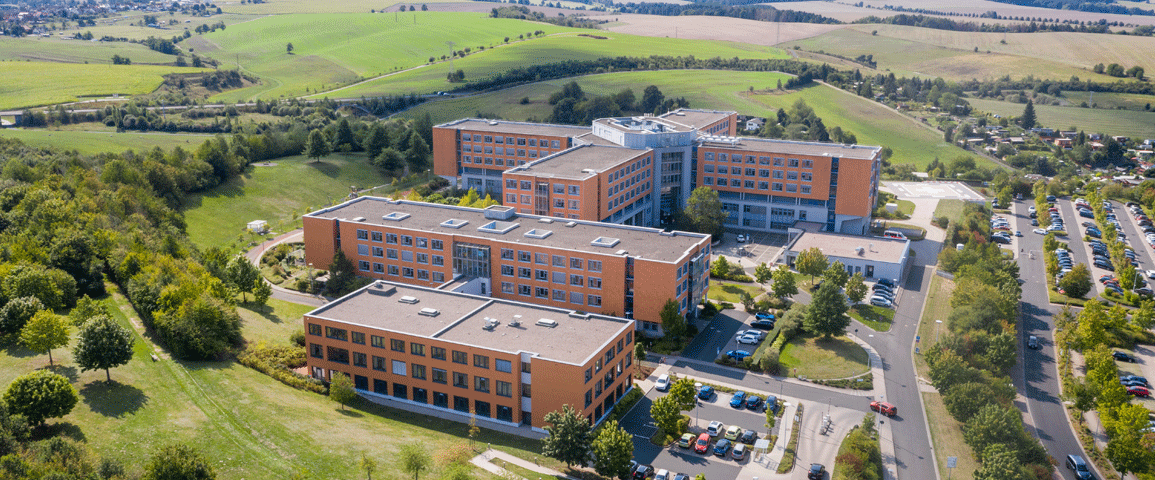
pixel 483 461
pixel 254 255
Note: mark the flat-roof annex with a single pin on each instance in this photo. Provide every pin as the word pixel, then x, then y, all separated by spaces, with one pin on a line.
pixel 879 249
pixel 696 118
pixel 575 235
pixel 580 162
pixel 477 321
pixel 643 125
pixel 789 147
pixel 506 127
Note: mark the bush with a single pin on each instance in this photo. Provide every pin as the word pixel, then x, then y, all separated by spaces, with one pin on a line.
pixel 298 337
pixel 277 362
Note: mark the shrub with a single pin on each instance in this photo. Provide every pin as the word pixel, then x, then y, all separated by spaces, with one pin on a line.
pixel 298 337
pixel 277 362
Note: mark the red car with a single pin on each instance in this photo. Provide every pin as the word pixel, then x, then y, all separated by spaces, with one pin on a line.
pixel 884 408
pixel 1138 391
pixel 703 443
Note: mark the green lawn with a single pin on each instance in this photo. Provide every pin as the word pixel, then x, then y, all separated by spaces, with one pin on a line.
pixel 951 209
pixel 77 51
pixel 1130 123
pixel 821 358
pixel 878 318
pixel 93 142
pixel 731 292
pixel 556 48
pixel 238 417
pixel 41 83
pixel 905 207
pixel 278 194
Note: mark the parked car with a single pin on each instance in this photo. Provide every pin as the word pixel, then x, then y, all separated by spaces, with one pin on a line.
pixel 739 452
pixel 884 408
pixel 1079 466
pixel 663 383
pixel 881 302
pixel 748 340
pixel 703 443
pixel 1139 391
pixel 643 472
pixel 763 324
pixel 753 402
pixel 681 476
pixel 886 281
pixel 1122 356
pixel 733 432
pixel 1135 377
pixel 706 392
pixel 748 437
pixel 721 447
pixel 1131 383
pixel 765 316
pixel 772 403
pixel 662 474
pixel 1033 343
pixel 1018 233
pixel 738 354
pixel 686 440
pixel 738 399
pixel 817 472
pixel 1039 231
pixel 715 428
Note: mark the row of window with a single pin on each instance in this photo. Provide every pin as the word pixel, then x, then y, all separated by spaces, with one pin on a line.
pixel 759 160
pixel 500 140
pixel 440 399
pixel 414 370
pixel 628 169
pixel 560 261
pixel 558 188
pixel 775 187
pixel 576 298
pixel 764 173
pixel 404 255
pixel 403 240
pixel 401 271
pixel 496 161
pixel 418 349
pixel 546 276
pixel 630 195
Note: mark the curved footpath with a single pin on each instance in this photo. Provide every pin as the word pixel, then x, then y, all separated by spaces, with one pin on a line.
pixel 281 293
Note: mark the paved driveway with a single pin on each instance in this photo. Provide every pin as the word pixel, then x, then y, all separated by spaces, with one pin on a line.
pixel 934 190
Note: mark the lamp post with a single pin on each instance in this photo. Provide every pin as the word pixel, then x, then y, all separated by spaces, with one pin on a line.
pixel 311 288
pixel 936 324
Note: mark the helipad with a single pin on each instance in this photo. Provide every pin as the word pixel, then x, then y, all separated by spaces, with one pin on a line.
pixel 935 190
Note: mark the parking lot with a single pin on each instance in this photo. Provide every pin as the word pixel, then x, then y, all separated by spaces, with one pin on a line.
pixel 759 246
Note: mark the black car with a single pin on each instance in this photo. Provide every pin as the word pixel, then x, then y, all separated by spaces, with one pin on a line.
pixel 1034 222
pixel 1122 357
pixel 886 281
pixel 749 437
pixel 817 472
pixel 763 324
pixel 643 472
pixel 754 402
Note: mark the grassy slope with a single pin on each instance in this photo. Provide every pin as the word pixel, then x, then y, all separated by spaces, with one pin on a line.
pixel 40 83
pixel 313 6
pixel 237 416
pixel 870 122
pixel 93 142
pixel 77 51
pixel 339 48
pixel 553 49
pixel 276 194
pixel 1114 122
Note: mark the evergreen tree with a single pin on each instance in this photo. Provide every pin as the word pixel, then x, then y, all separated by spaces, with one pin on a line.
pixel 1027 120
pixel 377 140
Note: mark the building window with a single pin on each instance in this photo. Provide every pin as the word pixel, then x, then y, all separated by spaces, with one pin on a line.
pixel 439 376
pixel 481 361
pixel 362 234
pixel 507 254
pixel 524 272
pixel 399 368
pixel 460 404
pixel 317 351
pixel 595 283
pixel 507 287
pixel 376 341
pixel 526 185
pixel 400 391
pixel 575 263
pixel 406 256
pixel 439 260
pixel 360 360
pixel 542 275
pixel 524 290
pixel 559 295
pixel 391 253
pixel 438 244
pixel 378 252
pixel 481 384
pixel 777 187
pixel 394 270
pixel 526 391
pixel 359 337
pixel 422 242
pixel 417 349
pixel 541 259
pixel 504 389
pixel 524 256
pixel 314 329
pixel 541 292
pixel 806 189
pixel 437 353
pixel 422 257
pixel 559 277
pixel 337 333
pixel 576 280
pixel 397 345
pixel 595 265
pixel 338 355
pixel 507 270
pixel 577 298
pixel 379 363
pixel 363 265
pixel 589 398
pixel 407 240
pixel 558 189
pixel 460 380
pixel 419 372
pixel 460 357
pixel 502 365
pixel 595 300
pixel 407 272
pixel 420 395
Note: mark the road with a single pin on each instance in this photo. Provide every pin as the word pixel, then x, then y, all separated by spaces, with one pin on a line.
pixel 1135 237
pixel 1036 375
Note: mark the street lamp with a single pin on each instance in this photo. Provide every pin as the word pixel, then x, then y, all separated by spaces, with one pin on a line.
pixel 311 287
pixel 936 322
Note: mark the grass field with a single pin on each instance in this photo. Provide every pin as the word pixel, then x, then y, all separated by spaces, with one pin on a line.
pixel 1112 122
pixel 279 193
pixel 821 358
pixel 551 49
pixel 332 49
pixel 940 53
pixel 42 83
pixel 872 123
pixel 312 6
pixel 237 416
pixel 878 318
pixel 93 142
pixel 951 209
pixel 1129 101
pixel 77 51
pixel 731 292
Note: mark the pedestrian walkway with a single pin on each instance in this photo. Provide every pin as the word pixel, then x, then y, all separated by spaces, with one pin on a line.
pixel 483 461
pixel 281 293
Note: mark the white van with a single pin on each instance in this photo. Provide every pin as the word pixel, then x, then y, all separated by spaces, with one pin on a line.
pixel 894 234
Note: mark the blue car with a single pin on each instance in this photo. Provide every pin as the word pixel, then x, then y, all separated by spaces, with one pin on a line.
pixel 738 354
pixel 1134 377
pixel 772 403
pixel 738 400
pixel 764 316
pixel 706 392
pixel 754 402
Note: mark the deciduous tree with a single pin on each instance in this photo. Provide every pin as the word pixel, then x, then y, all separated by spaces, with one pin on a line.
pixel 612 450
pixel 762 273
pixel 666 414
pixel 317 147
pixel 827 313
pixel 836 273
pixel 569 437
pixel 242 275
pixel 1077 282
pixel 856 288
pixel 704 210
pixel 784 282
pixel 999 463
pixel 102 344
pixel 178 462
pixel 414 458
pixel 45 331
pixel 673 322
pixel 811 262
pixel 341 389
pixel 40 395
pixel 684 393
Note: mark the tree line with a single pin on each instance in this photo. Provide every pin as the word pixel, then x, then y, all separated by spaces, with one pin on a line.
pixel 762 13
pixel 939 23
pixel 1082 6
pixel 573 107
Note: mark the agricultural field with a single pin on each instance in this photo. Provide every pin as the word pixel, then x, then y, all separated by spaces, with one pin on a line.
pixel 974 8
pixel 77 51
pixel 716 28
pixel 871 123
pixel 909 51
pixel 1127 101
pixel 334 49
pixel 42 83
pixel 277 193
pixel 1114 122
pixel 103 139
pixel 554 48
pixel 313 7
pixel 236 416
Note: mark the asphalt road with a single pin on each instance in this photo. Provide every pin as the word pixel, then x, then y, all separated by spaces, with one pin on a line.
pixel 1135 237
pixel 1036 376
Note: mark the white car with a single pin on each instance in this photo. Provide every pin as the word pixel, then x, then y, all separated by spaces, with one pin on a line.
pixel 880 302
pixel 1031 209
pixel 1039 231
pixel 663 383
pixel 715 428
pixel 1151 274
pixel 662 474
pixel 752 333
pixel 742 238
pixel 748 340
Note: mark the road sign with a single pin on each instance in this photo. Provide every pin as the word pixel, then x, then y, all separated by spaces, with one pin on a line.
pixel 951 462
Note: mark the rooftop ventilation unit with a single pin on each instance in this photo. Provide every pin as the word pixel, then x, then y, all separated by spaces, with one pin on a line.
pixel 493 122
pixel 545 322
pixel 538 233
pixel 408 299
pixel 499 212
pixel 605 242
pixel 581 315
pixel 429 312
pixel 516 322
pixel 395 216
pixel 359 219
pixel 454 223
pixel 589 170
pixel 490 324
pixel 670 233
pixel 859 250
pixel 570 224
pixel 622 252
pixel 545 220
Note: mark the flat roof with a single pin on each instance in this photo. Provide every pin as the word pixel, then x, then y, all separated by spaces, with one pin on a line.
pixel 572 337
pixel 879 249
pixel 580 162
pixel 644 125
pixel 789 147
pixel 648 243
pixel 696 118
pixel 591 139
pixel 515 128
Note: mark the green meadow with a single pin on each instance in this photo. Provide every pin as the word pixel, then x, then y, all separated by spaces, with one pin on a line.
pixel 334 49
pixel 870 122
pixel 97 141
pixel 29 84
pixel 77 51
pixel 1113 122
